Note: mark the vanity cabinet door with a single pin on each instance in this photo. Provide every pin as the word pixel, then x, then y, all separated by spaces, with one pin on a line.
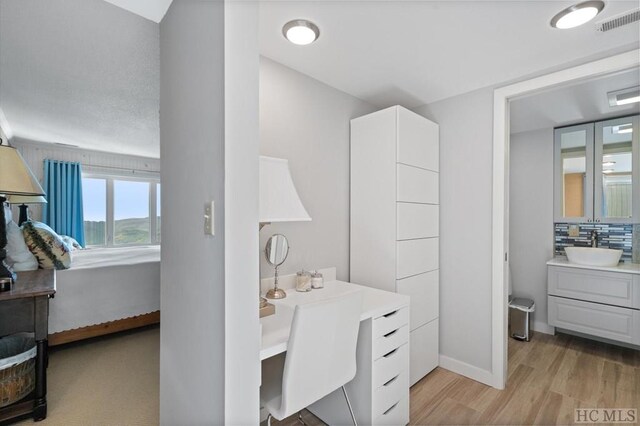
pixel 573 175
pixel 616 171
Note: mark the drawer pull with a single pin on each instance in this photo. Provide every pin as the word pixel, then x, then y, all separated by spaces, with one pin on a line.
pixel 387 355
pixel 391 408
pixel 391 333
pixel 390 314
pixel 391 381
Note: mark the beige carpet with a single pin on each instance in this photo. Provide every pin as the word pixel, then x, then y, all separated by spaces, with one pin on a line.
pixel 111 380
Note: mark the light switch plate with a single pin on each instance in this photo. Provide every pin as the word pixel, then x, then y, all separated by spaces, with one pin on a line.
pixel 574 231
pixel 209 222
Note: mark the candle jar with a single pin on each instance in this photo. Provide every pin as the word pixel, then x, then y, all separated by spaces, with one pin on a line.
pixel 317 280
pixel 303 281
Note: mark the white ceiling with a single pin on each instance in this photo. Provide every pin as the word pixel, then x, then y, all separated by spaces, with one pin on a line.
pixel 573 104
pixel 417 52
pixel 80 72
pixel 153 10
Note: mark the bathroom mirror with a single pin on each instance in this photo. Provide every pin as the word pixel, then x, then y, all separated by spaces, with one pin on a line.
pixel 574 163
pixel 614 183
pixel 276 252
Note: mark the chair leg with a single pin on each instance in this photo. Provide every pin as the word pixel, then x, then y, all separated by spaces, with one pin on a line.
pixel 300 419
pixel 269 420
pixel 353 416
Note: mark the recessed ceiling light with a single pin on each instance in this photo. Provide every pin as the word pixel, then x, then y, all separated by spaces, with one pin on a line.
pixel 624 96
pixel 301 31
pixel 577 14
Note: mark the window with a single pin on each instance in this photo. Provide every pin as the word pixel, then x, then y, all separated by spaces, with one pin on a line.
pixel 94 199
pixel 121 210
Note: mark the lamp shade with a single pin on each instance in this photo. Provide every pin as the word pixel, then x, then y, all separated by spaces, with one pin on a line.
pixel 15 176
pixel 279 201
pixel 26 199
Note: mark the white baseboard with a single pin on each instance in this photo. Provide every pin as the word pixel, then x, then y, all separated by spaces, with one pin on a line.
pixel 467 370
pixel 543 327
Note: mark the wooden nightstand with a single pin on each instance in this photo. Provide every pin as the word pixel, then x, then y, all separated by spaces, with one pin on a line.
pixel 26 309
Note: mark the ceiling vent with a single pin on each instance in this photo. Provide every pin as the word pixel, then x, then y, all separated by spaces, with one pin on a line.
pixel 617 21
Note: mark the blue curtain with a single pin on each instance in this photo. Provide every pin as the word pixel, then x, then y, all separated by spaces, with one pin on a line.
pixel 63 185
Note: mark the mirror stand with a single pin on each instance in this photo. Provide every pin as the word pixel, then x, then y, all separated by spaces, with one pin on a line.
pixel 275 292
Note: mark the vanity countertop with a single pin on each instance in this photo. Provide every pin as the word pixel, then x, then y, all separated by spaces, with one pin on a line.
pixel 627 268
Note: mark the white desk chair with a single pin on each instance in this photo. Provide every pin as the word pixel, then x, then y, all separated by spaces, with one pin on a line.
pixel 320 357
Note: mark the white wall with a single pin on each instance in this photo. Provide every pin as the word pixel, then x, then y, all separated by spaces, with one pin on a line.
pixel 531 218
pixel 242 133
pixel 307 122
pixel 466 145
pixel 192 348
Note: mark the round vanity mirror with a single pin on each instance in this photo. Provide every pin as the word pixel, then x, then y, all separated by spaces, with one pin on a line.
pixel 276 252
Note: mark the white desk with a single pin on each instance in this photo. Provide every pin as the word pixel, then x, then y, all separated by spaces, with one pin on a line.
pixel 380 391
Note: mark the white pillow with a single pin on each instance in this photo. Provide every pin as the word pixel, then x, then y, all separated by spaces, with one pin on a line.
pixel 18 253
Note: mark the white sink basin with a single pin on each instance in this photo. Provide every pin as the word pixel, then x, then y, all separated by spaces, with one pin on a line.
pixel 593 256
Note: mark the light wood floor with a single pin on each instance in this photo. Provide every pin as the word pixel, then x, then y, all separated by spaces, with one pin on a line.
pixel 548 378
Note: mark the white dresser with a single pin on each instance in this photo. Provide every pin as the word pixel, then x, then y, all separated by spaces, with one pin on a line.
pixel 395 219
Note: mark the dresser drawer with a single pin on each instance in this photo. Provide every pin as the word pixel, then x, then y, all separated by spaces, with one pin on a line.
pixel 390 365
pixel 390 392
pixel 417 185
pixel 390 322
pixel 423 290
pixel 610 322
pixel 424 351
pixel 612 288
pixel 417 256
pixel 417 221
pixel 397 414
pixel 390 341
pixel 418 140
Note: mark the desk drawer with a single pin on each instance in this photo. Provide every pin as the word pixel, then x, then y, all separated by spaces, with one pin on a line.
pixel 392 391
pixel 390 365
pixel 390 341
pixel 390 321
pixel 397 414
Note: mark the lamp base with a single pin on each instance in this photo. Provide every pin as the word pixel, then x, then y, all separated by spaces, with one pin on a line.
pixel 7 276
pixel 276 293
pixel 5 284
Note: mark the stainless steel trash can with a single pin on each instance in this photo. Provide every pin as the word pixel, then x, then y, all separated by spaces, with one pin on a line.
pixel 520 310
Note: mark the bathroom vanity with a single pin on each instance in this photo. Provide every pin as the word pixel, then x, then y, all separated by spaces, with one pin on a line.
pixel 598 301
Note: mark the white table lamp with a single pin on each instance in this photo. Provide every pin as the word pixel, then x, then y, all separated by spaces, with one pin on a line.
pixel 15 179
pixel 279 202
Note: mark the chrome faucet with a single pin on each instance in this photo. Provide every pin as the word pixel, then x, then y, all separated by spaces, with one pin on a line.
pixel 594 238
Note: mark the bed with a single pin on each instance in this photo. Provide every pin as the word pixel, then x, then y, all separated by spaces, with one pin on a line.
pixel 106 290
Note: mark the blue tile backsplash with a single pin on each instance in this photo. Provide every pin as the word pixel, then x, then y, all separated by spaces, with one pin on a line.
pixel 610 235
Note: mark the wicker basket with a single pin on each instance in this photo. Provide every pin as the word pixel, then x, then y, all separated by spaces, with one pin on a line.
pixel 17 367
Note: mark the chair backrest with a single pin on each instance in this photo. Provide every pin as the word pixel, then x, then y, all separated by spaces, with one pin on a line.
pixel 321 353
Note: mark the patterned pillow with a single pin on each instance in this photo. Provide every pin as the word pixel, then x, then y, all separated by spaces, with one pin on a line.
pixel 46 246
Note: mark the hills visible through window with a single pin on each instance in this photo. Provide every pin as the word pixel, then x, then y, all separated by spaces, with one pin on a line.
pixel 120 212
